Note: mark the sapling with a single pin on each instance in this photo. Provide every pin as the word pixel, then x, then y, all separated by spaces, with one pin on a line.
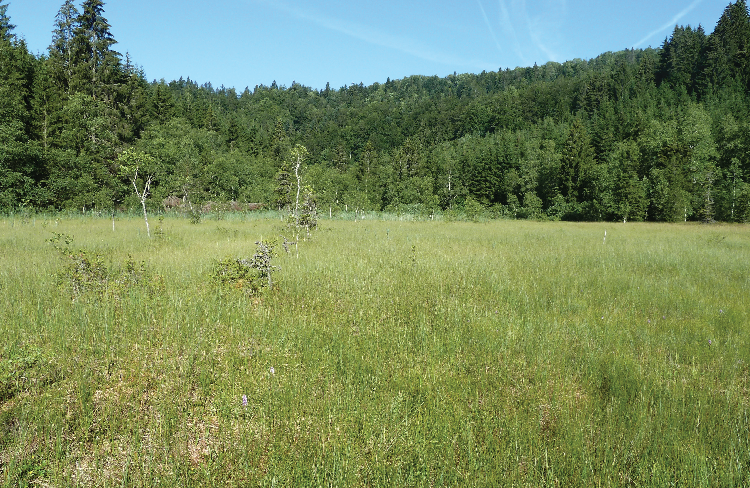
pixel 286 244
pixel 261 261
pixel 131 162
pixel 308 217
pixel 304 213
pixel 298 155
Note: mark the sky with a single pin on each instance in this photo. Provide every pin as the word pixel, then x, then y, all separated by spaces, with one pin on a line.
pixel 244 43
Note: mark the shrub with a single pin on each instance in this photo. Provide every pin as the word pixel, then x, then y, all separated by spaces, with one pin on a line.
pixel 86 273
pixel 250 275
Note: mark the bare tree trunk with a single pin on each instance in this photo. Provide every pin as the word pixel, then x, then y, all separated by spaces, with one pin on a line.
pixel 145 217
pixel 142 197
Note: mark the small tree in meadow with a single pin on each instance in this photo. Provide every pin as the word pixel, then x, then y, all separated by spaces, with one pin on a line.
pixel 299 153
pixel 304 213
pixel 473 209
pixel 308 212
pixel 132 163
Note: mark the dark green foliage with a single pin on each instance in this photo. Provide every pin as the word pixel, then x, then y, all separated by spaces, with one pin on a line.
pixel 5 26
pixel 630 197
pixel 578 174
pixel 61 50
pixel 96 67
pixel 282 194
pixel 680 60
pixel 630 135
pixel 726 56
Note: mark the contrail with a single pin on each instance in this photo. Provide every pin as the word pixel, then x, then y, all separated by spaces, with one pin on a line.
pixel 669 24
pixel 509 30
pixel 545 26
pixel 373 36
pixel 489 26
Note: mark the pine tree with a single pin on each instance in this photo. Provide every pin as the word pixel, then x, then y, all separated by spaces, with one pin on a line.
pixel 680 57
pixel 61 50
pixel 577 164
pixel 132 102
pixel 5 26
pixel 629 188
pixel 21 164
pixel 96 66
pixel 727 55
pixel 46 105
pixel 15 88
pixel 161 103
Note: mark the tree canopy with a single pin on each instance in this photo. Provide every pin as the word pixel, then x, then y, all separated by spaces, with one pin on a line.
pixel 649 134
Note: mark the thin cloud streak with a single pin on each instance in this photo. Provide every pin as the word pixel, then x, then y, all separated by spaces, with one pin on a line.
pixel 372 36
pixel 509 30
pixel 489 26
pixel 535 31
pixel 669 24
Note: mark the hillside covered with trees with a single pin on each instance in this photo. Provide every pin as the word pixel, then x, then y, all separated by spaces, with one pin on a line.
pixel 655 134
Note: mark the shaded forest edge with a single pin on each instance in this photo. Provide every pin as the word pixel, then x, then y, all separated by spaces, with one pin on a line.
pixel 653 134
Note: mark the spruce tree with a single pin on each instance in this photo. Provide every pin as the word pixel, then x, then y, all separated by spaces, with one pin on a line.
pixel 577 164
pixel 726 55
pixel 680 57
pixel 15 84
pixel 96 65
pixel 46 105
pixel 21 165
pixel 282 193
pixel 5 26
pixel 61 58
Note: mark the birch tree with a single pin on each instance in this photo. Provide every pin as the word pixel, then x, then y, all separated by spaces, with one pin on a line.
pixel 132 163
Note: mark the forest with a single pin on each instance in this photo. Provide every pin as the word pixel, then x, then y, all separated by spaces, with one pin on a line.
pixel 635 135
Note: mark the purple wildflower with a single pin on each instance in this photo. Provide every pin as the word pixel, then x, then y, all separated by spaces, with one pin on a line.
pixel 244 401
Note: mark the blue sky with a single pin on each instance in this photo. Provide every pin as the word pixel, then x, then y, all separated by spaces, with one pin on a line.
pixel 239 43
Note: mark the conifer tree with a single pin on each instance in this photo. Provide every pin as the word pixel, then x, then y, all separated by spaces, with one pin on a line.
pixel 5 26
pixel 577 163
pixel 15 80
pixel 61 50
pixel 21 166
pixel 96 64
pixel 282 193
pixel 727 54
pixel 46 104
pixel 680 57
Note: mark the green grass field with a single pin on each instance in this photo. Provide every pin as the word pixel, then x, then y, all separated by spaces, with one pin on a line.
pixel 388 354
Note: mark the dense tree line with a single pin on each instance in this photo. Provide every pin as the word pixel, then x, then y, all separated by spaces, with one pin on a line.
pixel 655 134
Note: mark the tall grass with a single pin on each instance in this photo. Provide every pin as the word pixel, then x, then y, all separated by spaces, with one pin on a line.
pixel 389 353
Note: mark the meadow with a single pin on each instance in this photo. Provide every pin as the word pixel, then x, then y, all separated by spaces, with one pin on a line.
pixel 387 353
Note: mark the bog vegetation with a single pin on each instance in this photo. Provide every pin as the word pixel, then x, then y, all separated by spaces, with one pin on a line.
pixel 658 134
pixel 430 345
pixel 378 353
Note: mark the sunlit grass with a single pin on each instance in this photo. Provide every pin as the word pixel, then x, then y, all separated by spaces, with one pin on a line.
pixel 403 353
